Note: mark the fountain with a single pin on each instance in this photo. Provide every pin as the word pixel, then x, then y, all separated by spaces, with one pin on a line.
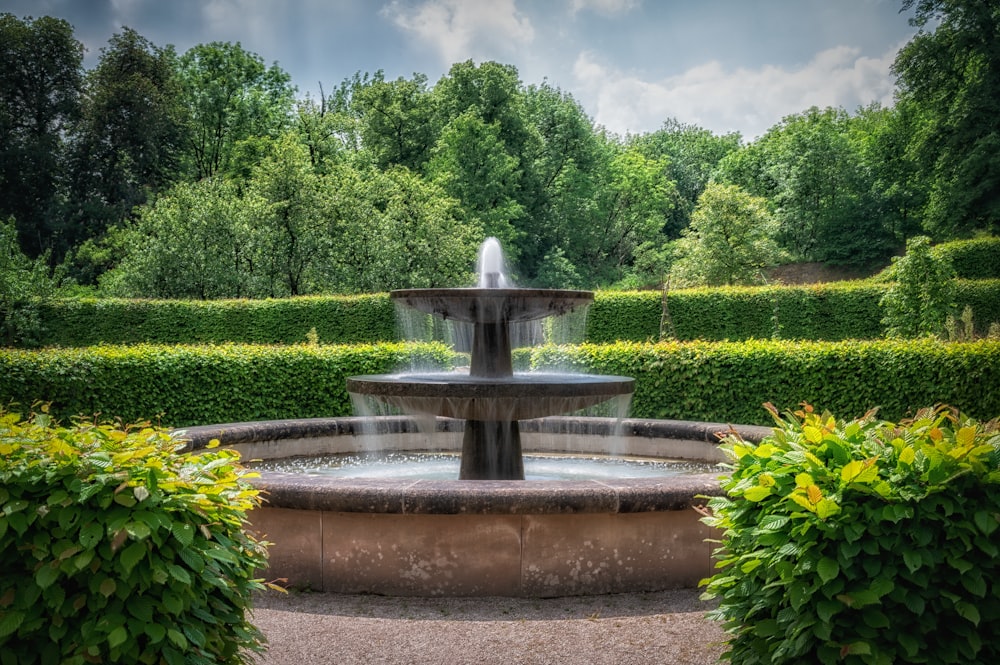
pixel 492 398
pixel 487 533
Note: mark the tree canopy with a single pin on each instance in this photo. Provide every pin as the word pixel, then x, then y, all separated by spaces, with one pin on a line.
pixel 201 174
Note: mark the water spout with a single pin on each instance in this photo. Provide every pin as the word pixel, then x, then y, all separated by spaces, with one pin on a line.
pixel 490 266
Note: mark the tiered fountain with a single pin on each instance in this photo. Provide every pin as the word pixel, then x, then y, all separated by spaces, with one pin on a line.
pixel 492 398
pixel 488 533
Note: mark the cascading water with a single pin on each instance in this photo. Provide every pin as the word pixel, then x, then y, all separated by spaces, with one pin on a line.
pixel 491 399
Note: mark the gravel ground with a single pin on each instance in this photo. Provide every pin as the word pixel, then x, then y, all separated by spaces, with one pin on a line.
pixel 665 627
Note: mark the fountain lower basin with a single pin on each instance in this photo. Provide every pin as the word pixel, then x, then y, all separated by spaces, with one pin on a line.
pixel 483 538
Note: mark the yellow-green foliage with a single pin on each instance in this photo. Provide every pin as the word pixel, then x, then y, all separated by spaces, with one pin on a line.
pixel 115 548
pixel 336 320
pixel 185 385
pixel 861 541
pixel 729 381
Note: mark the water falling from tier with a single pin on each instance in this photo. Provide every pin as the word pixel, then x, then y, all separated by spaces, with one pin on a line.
pixel 491 398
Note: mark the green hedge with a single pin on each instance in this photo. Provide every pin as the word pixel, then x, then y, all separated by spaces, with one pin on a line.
pixel 186 385
pixel 861 542
pixel 822 312
pixel 978 258
pixel 336 319
pixel 729 381
pixel 836 311
pixel 116 549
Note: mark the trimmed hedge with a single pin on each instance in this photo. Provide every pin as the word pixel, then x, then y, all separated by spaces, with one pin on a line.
pixel 831 312
pixel 188 385
pixel 336 319
pixel 116 549
pixel 722 382
pixel 861 542
pixel 729 381
pixel 978 258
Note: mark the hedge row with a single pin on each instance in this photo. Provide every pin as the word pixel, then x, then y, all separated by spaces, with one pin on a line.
pixel 978 258
pixel 722 382
pixel 836 311
pixel 336 320
pixel 729 381
pixel 185 385
pixel 822 312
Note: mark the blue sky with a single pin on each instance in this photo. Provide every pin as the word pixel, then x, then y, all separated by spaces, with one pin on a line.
pixel 727 65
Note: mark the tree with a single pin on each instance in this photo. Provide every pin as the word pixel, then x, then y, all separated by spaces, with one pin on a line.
pixel 919 300
pixel 559 176
pixel 128 142
pixel 813 175
pixel 951 74
pixel 470 164
pixel 692 155
pixel 229 97
pixel 41 74
pixel 398 123
pixel 394 229
pixel 731 239
pixel 290 240
pixel 24 283
pixel 632 201
pixel 194 241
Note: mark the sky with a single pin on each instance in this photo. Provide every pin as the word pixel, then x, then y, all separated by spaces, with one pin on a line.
pixel 725 65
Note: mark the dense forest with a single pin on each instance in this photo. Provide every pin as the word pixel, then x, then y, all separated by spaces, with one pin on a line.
pixel 204 175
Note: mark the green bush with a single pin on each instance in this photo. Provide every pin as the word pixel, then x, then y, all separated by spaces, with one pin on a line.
pixel 861 542
pixel 336 319
pixel 728 381
pixel 189 385
pixel 115 548
pixel 978 258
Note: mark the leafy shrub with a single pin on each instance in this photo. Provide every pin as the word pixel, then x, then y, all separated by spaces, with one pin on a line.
pixel 920 299
pixel 190 385
pixel 728 381
pixel 861 542
pixel 114 548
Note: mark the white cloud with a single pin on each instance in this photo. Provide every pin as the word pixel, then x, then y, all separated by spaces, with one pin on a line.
pixel 746 100
pixel 604 6
pixel 463 29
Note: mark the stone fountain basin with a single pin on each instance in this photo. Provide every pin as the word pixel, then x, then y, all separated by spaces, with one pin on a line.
pixel 479 305
pixel 519 397
pixel 482 538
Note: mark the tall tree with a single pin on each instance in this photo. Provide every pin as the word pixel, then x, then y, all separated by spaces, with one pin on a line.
pixel 41 75
pixel 230 96
pixel 812 173
pixel 951 73
pixel 471 165
pixel 398 123
pixel 128 143
pixel 558 183
pixel 693 153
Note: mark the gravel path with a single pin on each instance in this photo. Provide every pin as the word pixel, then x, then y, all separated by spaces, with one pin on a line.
pixel 665 627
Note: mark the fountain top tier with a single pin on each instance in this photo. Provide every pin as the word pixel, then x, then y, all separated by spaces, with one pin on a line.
pixel 493 305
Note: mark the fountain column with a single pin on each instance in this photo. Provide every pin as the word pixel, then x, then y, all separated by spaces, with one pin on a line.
pixel 491 449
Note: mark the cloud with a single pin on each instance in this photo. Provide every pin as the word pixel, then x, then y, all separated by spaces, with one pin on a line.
pixel 604 6
pixel 740 99
pixel 463 29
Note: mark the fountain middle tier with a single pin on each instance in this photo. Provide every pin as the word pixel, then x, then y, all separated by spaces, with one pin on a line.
pixel 517 397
